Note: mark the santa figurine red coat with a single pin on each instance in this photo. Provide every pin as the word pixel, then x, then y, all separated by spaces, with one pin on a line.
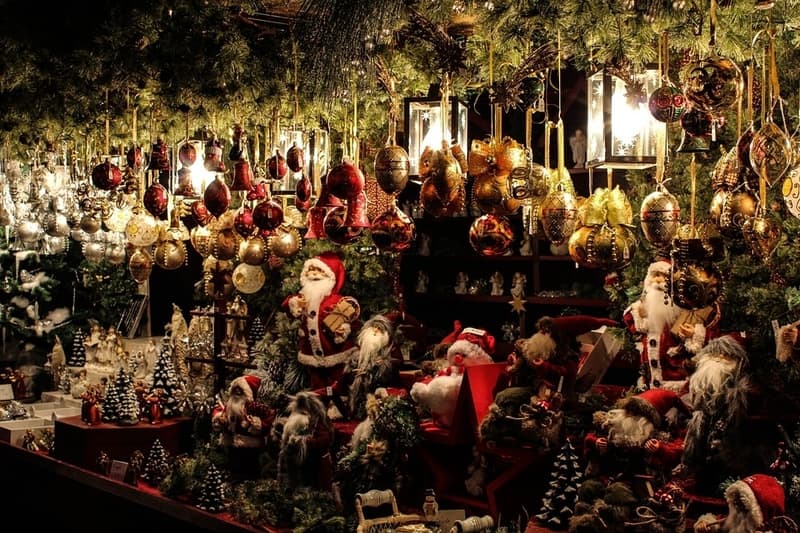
pixel 327 319
pixel 242 421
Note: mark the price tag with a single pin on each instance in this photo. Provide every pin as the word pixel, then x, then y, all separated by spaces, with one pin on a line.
pixel 6 392
pixel 118 470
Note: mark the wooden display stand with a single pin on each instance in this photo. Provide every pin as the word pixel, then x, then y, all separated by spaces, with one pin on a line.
pixel 80 444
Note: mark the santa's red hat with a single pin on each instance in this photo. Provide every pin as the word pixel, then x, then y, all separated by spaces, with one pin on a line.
pixel 475 346
pixel 249 384
pixel 761 495
pixel 331 264
pixel 653 404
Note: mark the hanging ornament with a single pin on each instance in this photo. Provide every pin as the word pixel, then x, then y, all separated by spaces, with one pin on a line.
pixel 217 196
pixel 213 158
pixel 226 243
pixel 712 84
pixel 115 253
pixel 276 166
pixel 253 250
pixel 55 225
pixel 295 158
pixel 345 180
pixel 140 265
pixel 285 241
pixel 106 176
pixel 200 212
pixel 170 253
pixel 242 176
pixel 559 215
pixel 667 103
pixel 239 146
pixel 155 199
pixel 660 215
pixel 356 214
pixel 159 157
pixel 218 278
pixel 335 229
pixel 248 279
pixel 442 192
pixel 268 215
pixel 57 245
pixel 725 175
pixel 762 235
pixel 771 152
pixel 142 228
pixel 187 154
pixel 90 223
pixel 491 235
pixel 697 131
pixel 302 194
pixel 93 250
pixel 393 231
pixel 696 285
pixel 118 218
pixel 243 222
pixel 607 247
pixel 202 240
pixel 392 168
pixel 258 192
pixel 790 190
pixel 737 208
pixel 134 157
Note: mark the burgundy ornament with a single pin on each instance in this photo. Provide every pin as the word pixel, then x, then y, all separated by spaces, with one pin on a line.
pixel 155 200
pixel 295 158
pixel 135 157
pixel 356 216
pixel 242 176
pixel 106 175
pixel 393 231
pixel 335 228
pixel 315 221
pixel 302 194
pixel 213 160
pixel 268 214
pixel 200 212
pixel 345 180
pixel 258 191
pixel 243 221
pixel 187 154
pixel 217 197
pixel 159 156
pixel 239 142
pixel 276 166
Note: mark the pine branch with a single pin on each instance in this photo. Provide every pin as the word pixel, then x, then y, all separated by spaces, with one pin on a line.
pixel 509 92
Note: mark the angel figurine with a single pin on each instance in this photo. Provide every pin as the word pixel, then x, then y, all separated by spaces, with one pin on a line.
pixel 497 283
pixel 518 284
pixel 462 282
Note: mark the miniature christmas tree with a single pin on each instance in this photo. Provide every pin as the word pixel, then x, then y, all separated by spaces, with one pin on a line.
pixel 65 383
pixel 77 356
pixel 558 504
pixel 212 491
pixel 256 333
pixel 111 403
pixel 128 409
pixel 164 377
pixel 156 466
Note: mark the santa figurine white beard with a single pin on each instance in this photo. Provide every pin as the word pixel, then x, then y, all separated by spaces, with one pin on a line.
pixel 712 375
pixel 740 521
pixel 628 430
pixel 316 286
pixel 657 306
pixel 235 411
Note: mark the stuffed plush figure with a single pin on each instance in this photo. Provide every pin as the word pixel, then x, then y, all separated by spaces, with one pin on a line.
pixel 439 395
pixel 755 503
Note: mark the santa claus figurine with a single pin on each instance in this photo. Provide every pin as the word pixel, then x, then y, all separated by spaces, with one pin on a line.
pixel 327 319
pixel 754 504
pixel 636 436
pixel 439 395
pixel 665 349
pixel 242 421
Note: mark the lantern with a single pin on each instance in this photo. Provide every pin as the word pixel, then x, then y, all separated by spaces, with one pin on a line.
pixel 423 123
pixel 621 132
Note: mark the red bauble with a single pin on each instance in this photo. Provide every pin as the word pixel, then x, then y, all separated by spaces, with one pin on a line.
pixel 135 157
pixel 200 212
pixel 345 180
pixel 393 231
pixel 276 166
pixel 187 154
pixel 106 176
pixel 302 197
pixel 268 215
pixel 217 197
pixel 335 229
pixel 155 200
pixel 295 158
pixel 258 192
pixel 243 222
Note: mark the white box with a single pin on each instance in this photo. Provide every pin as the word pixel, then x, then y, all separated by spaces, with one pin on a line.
pixel 604 347
pixel 12 431
pixel 64 412
pixel 55 396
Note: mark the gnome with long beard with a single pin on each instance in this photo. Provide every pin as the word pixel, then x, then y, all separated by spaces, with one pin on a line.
pixel 753 503
pixel 327 319
pixel 243 422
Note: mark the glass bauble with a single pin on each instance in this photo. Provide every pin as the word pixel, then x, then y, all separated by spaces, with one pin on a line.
pixel 530 181
pixel 667 103
pixel 170 254
pixel 302 194
pixel 142 229
pixel 90 223
pixel 253 251
pixel 345 180
pixel 738 207
pixel 492 195
pixel 726 171
pixel 762 235
pixel 276 166
pixel 200 212
pixel 106 176
pixel 202 240
pixel 660 215
pixel 491 235
pixel 29 231
pixel 790 190
pixel 392 167
pixel 248 279
pixel 268 214
pixel 243 222
pixel 187 154
pixel 285 241
pixel 605 246
pixel 295 158
pixel 118 219
pixel 442 192
pixel 712 84
pixel 771 153
pixel 93 250
pixel 134 157
pixel 140 265
pixel 696 285
pixel 56 225
pixel 225 243
pixel 335 228
pixel 559 215
pixel 54 245
pixel 115 253
pixel 155 200
pixel 393 231
pixel 217 197
pixel 218 278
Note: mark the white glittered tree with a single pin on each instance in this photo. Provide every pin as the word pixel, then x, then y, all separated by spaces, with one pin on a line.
pixel 156 466
pixel 128 409
pixel 77 356
pixel 212 491
pixel 111 402
pixel 165 378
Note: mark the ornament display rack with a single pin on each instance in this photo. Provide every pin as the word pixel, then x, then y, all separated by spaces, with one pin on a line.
pixel 223 368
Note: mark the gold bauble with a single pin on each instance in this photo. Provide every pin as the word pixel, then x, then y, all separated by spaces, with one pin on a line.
pixel 559 215
pixel 492 195
pixel 717 204
pixel 508 155
pixel 726 171
pixel 530 181
pixel 442 191
pixel 93 251
pixel 248 279
pixel 392 168
pixel 285 241
pixel 170 254
pixel 701 242
pixel 115 254
pixel 578 245
pixel 739 207
pixel 253 251
pixel 218 278
pixel 225 243
pixel 481 159
pixel 202 240
pixel 140 265
pixel 56 225
pixel 90 223
pixel 438 205
pixel 762 235
pixel 696 285
pixel 660 215
pixel 606 247
pixel 142 228
pixel 117 219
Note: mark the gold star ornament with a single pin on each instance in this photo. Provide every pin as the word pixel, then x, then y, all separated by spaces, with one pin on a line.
pixel 517 304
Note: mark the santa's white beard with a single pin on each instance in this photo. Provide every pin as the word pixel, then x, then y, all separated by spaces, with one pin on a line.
pixel 659 313
pixel 710 378
pixel 739 522
pixel 371 343
pixel 628 430
pixel 234 409
pixel 314 290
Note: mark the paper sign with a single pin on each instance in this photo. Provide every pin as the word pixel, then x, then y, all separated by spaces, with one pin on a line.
pixel 118 470
pixel 6 392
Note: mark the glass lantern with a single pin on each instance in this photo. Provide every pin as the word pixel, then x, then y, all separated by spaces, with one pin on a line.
pixel 423 123
pixel 318 158
pixel 621 132
pixel 196 173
